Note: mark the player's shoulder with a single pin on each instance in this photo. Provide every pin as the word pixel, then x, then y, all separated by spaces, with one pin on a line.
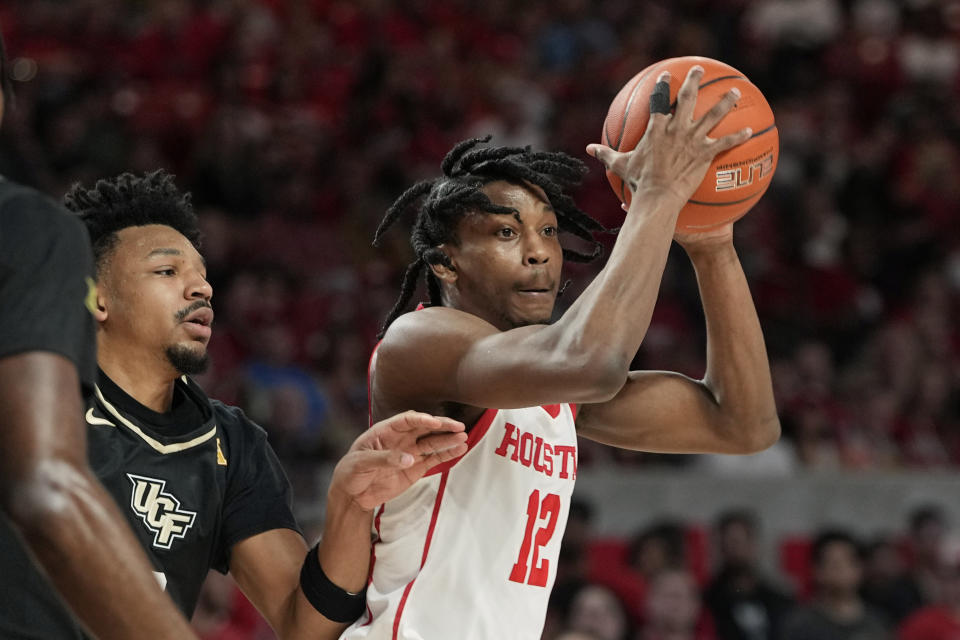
pixel 429 340
pixel 234 420
pixel 245 443
pixel 432 342
pixel 231 421
pixel 13 192
pixel 26 206
pixel 30 218
pixel 433 325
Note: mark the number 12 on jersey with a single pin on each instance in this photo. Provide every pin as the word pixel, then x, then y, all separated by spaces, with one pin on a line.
pixel 548 509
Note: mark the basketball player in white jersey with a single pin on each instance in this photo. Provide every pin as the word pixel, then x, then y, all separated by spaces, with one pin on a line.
pixel 470 551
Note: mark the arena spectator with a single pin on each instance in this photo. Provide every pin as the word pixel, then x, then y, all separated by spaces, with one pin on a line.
pixel 887 586
pixel 744 603
pixel 836 611
pixel 597 610
pixel 673 609
pixel 926 537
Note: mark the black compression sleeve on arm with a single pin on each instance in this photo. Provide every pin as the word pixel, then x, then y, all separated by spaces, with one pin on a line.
pixel 330 600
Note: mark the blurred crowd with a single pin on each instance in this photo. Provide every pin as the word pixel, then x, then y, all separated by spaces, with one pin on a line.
pixel 295 123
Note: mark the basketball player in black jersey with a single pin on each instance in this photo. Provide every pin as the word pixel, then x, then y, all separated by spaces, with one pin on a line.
pixel 196 479
pixel 48 494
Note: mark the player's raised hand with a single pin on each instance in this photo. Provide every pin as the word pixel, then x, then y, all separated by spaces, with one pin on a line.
pixel 675 151
pixel 393 454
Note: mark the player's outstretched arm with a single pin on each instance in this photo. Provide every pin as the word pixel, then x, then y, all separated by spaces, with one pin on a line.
pixel 585 355
pixel 68 521
pixel 382 463
pixel 732 409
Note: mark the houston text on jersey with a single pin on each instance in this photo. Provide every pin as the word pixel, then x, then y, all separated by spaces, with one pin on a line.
pixel 529 450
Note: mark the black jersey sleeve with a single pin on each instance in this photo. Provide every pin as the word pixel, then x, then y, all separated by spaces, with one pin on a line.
pixel 258 495
pixel 46 282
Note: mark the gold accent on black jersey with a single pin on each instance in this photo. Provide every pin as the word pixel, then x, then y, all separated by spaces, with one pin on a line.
pixel 90 301
pixel 220 459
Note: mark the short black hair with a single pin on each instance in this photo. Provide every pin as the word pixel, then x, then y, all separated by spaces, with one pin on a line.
pixel 831 536
pixel 926 514
pixel 447 199
pixel 114 204
pixel 671 534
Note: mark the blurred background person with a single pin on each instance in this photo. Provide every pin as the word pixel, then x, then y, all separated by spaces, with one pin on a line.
pixel 835 611
pixel 673 609
pixel 598 611
pixel 744 603
pixel 657 548
pixel 887 586
pixel 925 540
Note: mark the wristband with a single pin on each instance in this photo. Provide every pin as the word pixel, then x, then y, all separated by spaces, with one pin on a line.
pixel 327 598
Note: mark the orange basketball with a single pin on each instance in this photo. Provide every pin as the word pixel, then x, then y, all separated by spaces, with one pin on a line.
pixel 738 177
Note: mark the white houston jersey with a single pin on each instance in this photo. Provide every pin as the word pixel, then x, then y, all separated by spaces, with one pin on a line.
pixel 470 551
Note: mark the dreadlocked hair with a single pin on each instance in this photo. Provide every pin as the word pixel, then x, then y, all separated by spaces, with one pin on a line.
pixel 441 203
pixel 131 201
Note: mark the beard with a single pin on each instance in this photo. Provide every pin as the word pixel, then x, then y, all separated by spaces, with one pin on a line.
pixel 187 361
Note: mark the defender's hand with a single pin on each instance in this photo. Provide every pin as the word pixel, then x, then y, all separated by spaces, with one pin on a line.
pixel 675 151
pixel 393 454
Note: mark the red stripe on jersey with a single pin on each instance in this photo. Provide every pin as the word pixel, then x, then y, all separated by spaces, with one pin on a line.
pixel 474 436
pixel 373 558
pixel 426 550
pixel 373 548
pixel 573 410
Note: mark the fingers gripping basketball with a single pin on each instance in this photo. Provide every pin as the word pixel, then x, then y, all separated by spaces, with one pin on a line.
pixel 737 177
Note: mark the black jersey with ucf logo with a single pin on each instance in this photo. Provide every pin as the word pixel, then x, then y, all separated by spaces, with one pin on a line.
pixel 192 482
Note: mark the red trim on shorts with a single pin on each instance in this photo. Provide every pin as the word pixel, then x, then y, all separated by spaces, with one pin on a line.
pixel 476 433
pixel 426 550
